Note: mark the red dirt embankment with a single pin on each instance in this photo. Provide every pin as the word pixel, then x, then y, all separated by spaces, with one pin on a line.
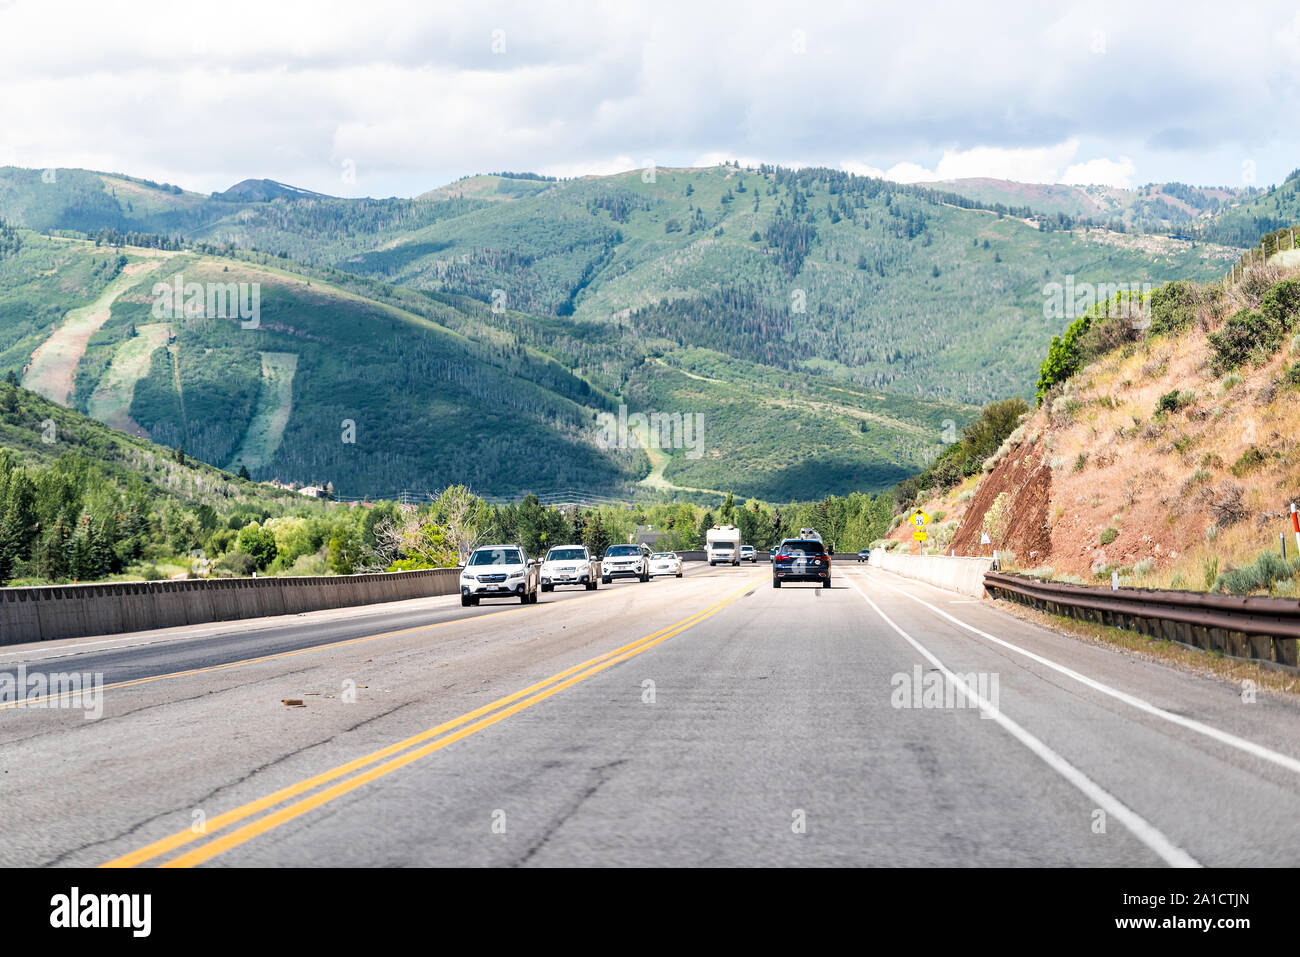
pixel 1028 479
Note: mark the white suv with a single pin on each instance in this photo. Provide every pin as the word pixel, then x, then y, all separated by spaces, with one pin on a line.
pixel 499 571
pixel 625 561
pixel 569 565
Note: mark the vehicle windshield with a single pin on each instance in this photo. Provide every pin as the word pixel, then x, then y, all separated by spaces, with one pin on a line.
pixel 497 556
pixel 663 555
pixel 802 549
pixel 618 551
pixel 724 544
pixel 565 555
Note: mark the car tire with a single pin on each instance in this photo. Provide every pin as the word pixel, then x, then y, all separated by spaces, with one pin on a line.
pixel 466 601
pixel 645 576
pixel 604 581
pixel 826 583
pixel 776 583
pixel 591 585
pixel 679 574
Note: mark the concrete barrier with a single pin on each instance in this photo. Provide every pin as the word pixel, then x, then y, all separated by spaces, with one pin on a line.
pixel 964 575
pixel 44 613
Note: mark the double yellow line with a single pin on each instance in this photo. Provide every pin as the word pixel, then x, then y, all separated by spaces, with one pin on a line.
pixel 390 759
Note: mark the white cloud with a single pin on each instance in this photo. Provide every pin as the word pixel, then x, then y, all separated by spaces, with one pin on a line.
pixel 861 169
pixel 1048 164
pixel 414 94
pixel 1101 172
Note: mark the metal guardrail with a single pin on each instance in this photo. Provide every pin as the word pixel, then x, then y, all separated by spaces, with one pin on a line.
pixel 1258 628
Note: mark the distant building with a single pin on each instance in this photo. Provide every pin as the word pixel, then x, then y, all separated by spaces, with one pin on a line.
pixel 312 491
pixel 646 535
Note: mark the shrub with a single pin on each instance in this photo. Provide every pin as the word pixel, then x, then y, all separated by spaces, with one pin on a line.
pixel 1282 303
pixel 1169 402
pixel 1246 335
pixel 1063 356
pixel 1080 461
pixel 258 543
pixel 1266 570
pixel 1210 568
pixel 998 518
pixel 1291 378
pixel 1250 460
pixel 236 563
pixel 1225 504
pixel 1108 535
pixel 1173 307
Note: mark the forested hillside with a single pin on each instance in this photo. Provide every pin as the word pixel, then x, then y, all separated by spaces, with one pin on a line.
pixel 831 330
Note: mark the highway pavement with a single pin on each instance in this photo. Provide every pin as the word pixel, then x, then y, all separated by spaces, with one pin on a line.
pixel 708 720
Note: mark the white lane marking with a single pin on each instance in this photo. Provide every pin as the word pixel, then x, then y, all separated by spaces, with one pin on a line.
pixel 1223 737
pixel 1144 831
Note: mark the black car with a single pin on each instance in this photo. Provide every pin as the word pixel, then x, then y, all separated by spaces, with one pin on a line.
pixel 864 555
pixel 801 560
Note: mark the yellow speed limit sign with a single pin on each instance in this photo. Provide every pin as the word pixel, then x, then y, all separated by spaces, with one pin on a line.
pixel 919 520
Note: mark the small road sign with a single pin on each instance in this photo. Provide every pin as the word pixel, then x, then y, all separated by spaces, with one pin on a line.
pixel 920 536
pixel 919 519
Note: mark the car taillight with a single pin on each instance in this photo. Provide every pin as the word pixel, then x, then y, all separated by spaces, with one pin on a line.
pixel 782 558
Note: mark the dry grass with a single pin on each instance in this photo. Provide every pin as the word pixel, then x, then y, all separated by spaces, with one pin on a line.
pixel 1170 475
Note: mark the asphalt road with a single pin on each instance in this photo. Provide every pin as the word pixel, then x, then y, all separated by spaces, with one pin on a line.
pixel 711 720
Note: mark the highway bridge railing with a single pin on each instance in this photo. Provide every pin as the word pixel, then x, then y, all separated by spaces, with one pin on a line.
pixel 46 612
pixel 1257 628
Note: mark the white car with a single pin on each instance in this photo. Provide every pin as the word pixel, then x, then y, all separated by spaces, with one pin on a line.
pixel 499 571
pixel 748 554
pixel 625 561
pixel 570 565
pixel 665 563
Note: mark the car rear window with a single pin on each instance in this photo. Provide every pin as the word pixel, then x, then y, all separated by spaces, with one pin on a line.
pixel 565 555
pixel 496 556
pixel 802 548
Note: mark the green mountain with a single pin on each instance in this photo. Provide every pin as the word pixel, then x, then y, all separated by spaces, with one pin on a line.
pixel 832 331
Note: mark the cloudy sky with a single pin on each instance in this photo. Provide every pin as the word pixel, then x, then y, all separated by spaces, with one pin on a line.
pixel 384 98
